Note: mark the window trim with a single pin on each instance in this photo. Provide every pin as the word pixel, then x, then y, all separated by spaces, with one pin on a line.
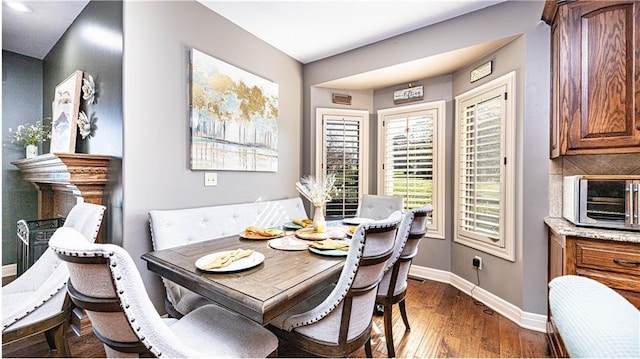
pixel 363 117
pixel 437 230
pixel 508 207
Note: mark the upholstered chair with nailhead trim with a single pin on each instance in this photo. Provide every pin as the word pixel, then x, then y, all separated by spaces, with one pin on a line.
pixel 337 321
pixel 378 207
pixel 36 301
pixel 393 287
pixel 105 282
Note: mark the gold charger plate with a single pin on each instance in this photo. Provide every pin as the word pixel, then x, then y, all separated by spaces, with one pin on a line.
pixel 251 235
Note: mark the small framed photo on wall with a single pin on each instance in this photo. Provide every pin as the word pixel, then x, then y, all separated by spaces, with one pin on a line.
pixel 64 122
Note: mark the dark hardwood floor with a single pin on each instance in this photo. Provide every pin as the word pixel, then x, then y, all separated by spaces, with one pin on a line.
pixel 445 323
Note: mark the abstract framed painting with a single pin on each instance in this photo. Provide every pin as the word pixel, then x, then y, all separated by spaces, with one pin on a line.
pixel 233 117
pixel 64 122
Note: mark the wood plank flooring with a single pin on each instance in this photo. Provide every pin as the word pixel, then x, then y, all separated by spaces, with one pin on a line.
pixel 445 323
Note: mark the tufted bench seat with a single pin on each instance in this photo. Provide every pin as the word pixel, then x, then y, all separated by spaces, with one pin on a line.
pixel 593 320
pixel 172 228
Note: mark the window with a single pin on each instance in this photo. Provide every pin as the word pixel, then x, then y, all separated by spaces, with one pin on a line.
pixel 411 152
pixel 485 173
pixel 341 151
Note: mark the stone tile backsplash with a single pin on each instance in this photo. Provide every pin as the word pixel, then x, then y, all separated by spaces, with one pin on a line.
pixel 609 164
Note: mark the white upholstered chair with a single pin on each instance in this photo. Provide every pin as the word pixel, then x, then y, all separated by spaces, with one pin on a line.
pixel 337 321
pixel 105 282
pixel 378 207
pixel 393 287
pixel 36 302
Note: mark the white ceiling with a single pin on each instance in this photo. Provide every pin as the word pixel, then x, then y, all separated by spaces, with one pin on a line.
pixel 305 30
pixel 312 30
pixel 34 34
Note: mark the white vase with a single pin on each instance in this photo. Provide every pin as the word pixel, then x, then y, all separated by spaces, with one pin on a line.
pixel 319 223
pixel 31 151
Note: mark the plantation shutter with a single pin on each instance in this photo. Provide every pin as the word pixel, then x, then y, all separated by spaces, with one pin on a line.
pixel 481 159
pixel 342 156
pixel 408 158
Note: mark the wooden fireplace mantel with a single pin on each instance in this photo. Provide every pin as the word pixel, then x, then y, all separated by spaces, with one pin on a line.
pixel 64 179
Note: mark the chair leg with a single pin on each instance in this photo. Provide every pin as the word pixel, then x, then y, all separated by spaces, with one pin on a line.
pixel 403 313
pixel 388 331
pixel 367 348
pixel 57 340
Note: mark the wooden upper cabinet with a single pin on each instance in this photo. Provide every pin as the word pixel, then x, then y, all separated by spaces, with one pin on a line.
pixel 595 52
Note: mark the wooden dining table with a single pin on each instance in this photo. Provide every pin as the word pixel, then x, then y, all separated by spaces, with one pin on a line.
pixel 284 279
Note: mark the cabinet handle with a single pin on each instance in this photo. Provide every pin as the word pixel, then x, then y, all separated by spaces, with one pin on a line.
pixel 624 261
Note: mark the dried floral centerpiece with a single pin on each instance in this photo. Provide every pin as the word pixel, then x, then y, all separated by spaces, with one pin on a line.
pixel 30 135
pixel 318 193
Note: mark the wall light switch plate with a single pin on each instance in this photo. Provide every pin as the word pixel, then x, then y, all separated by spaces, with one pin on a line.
pixel 210 179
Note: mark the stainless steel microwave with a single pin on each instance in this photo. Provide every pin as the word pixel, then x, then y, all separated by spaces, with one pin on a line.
pixel 602 201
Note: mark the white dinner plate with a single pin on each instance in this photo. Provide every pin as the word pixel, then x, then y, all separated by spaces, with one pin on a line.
pixel 288 243
pixel 244 263
pixel 356 220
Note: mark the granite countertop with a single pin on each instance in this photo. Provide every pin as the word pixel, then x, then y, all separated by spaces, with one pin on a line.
pixel 566 228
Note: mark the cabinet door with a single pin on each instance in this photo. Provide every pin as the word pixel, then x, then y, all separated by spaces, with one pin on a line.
pixel 603 82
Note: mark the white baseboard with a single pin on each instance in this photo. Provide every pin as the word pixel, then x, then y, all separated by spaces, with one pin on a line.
pixel 526 320
pixel 9 270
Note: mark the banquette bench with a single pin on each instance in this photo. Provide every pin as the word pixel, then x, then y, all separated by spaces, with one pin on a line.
pixel 593 320
pixel 172 228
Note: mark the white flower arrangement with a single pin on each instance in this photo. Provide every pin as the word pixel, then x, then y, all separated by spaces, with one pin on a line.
pixel 316 192
pixel 30 134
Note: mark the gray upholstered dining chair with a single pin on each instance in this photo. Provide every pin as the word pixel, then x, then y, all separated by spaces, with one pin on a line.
pixel 393 286
pixel 36 301
pixel 378 207
pixel 105 282
pixel 337 321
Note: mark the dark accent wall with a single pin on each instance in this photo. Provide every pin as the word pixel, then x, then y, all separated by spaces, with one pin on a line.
pixel 93 44
pixel 21 103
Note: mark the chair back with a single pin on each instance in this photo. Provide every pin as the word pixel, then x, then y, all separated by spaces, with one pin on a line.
pixel 86 219
pixel 378 207
pixel 344 318
pixel 46 277
pixel 105 282
pixel 394 282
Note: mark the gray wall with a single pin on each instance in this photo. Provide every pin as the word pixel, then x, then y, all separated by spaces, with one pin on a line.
pixel 532 128
pixel 523 282
pixel 21 103
pixel 158 36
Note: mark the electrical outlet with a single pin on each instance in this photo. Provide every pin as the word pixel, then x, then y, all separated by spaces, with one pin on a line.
pixel 210 179
pixel 477 262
